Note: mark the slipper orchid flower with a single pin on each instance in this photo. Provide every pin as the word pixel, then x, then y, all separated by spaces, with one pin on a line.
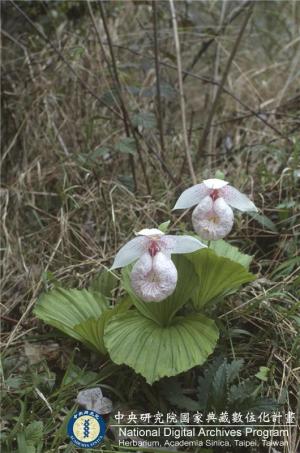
pixel 213 216
pixel 154 275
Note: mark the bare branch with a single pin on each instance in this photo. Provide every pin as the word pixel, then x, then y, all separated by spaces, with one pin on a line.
pixel 181 93
pixel 206 44
pixel 205 79
pixel 126 119
pixel 203 138
pixel 158 96
pixel 61 56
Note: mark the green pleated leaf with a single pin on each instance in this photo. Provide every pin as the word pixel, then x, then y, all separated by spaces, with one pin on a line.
pixel 163 312
pixel 65 309
pixel 105 282
pixel 92 330
pixel 217 276
pixel 81 314
pixel 223 248
pixel 156 351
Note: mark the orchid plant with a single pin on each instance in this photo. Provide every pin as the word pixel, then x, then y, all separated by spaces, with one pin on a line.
pixel 160 327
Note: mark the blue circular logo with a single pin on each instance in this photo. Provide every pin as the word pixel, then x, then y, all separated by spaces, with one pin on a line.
pixel 86 429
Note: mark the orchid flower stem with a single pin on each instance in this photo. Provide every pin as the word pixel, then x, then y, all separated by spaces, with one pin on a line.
pixel 208 243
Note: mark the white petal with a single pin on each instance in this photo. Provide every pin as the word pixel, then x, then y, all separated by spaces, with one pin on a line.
pixel 212 220
pixel 185 244
pixel 154 279
pixel 191 196
pixel 222 209
pixel 166 244
pixel 205 205
pixel 130 252
pixel 150 232
pixel 237 199
pixel 215 183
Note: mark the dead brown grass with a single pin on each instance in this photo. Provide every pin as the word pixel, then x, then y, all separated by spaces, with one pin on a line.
pixel 67 207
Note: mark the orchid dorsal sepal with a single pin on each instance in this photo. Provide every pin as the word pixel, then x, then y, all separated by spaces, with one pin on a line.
pixel 150 232
pixel 215 188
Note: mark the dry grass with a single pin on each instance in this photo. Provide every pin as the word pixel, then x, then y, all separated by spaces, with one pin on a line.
pixel 68 198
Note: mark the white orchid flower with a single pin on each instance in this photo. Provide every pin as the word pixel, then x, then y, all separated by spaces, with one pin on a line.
pixel 213 216
pixel 154 275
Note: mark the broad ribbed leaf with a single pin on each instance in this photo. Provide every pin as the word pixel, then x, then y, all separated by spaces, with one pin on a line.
pixel 105 282
pixel 65 309
pixel 156 351
pixel 163 312
pixel 223 248
pixel 92 330
pixel 217 275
